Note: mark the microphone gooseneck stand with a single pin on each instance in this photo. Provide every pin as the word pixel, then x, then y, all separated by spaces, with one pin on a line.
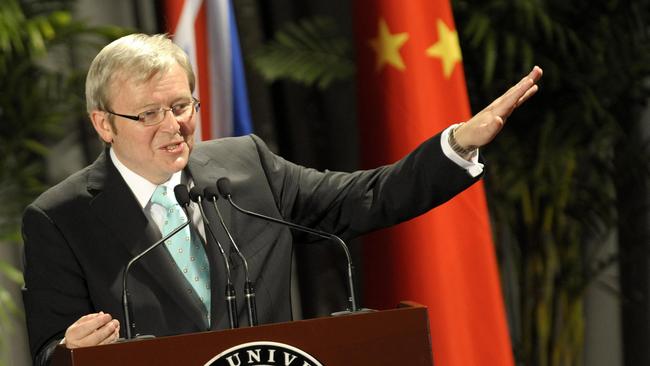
pixel 223 186
pixel 211 194
pixel 231 297
pixel 183 199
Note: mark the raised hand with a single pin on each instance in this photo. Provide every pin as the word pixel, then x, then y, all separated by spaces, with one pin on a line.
pixel 486 124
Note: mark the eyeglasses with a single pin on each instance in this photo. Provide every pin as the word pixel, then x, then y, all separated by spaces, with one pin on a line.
pixel 183 112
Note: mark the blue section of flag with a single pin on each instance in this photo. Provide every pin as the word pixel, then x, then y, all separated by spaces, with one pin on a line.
pixel 242 124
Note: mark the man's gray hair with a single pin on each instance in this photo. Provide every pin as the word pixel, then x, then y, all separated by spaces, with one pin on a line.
pixel 137 57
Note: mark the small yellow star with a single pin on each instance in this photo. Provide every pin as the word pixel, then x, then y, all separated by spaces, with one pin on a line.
pixel 447 48
pixel 387 46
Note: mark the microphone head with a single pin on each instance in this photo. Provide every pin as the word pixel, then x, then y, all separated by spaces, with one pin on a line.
pixel 223 185
pixel 182 196
pixel 195 194
pixel 211 193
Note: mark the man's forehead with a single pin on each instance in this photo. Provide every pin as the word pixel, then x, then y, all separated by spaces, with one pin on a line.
pixel 124 79
pixel 136 86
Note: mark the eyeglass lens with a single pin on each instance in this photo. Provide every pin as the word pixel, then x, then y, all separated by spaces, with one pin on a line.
pixel 182 113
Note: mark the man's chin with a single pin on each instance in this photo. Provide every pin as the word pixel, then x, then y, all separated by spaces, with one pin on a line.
pixel 180 163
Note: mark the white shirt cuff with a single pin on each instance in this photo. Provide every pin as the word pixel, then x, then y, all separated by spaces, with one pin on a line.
pixel 473 167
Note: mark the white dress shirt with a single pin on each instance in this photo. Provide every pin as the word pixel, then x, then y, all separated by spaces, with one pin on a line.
pixel 143 191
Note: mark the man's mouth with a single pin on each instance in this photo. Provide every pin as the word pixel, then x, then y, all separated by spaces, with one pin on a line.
pixel 173 147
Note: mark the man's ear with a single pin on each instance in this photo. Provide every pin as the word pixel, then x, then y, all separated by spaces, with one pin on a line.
pixel 102 125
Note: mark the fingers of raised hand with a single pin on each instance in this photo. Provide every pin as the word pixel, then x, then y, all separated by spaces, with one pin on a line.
pixel 536 73
pixel 90 330
pixel 486 124
pixel 517 94
pixel 508 101
pixel 529 93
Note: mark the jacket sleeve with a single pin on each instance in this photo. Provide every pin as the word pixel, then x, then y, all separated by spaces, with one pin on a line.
pixel 53 280
pixel 351 204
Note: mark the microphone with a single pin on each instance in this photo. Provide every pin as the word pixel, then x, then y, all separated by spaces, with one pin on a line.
pixel 183 199
pixel 223 185
pixel 212 195
pixel 231 298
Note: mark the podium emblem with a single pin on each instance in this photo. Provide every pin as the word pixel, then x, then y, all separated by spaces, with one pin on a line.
pixel 263 353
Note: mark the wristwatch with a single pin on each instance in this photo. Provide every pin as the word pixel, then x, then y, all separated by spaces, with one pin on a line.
pixel 464 152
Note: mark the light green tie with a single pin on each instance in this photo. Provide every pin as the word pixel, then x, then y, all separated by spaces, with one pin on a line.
pixel 185 248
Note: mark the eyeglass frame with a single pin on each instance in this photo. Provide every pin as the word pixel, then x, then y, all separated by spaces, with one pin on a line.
pixel 195 108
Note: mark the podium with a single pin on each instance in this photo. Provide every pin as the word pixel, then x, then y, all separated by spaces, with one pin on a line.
pixel 389 337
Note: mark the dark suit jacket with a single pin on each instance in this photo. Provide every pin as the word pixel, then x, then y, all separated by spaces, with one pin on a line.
pixel 80 234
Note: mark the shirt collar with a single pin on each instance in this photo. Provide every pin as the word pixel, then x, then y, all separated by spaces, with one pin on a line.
pixel 141 187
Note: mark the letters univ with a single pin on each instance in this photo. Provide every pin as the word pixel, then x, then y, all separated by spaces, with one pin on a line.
pixel 263 354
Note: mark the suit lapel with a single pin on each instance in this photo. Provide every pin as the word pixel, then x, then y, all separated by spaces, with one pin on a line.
pixel 136 233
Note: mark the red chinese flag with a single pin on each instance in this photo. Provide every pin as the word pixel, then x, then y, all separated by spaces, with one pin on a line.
pixel 412 86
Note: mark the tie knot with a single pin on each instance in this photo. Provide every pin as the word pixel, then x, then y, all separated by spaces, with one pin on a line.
pixel 163 197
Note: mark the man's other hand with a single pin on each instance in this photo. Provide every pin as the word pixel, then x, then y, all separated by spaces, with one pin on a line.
pixel 92 330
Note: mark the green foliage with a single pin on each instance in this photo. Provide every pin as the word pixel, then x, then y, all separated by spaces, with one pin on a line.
pixel 308 52
pixel 551 177
pixel 40 90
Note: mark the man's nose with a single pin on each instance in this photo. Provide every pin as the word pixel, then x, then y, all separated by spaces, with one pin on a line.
pixel 170 122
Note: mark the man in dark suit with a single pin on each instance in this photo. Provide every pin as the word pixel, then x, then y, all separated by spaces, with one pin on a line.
pixel 80 234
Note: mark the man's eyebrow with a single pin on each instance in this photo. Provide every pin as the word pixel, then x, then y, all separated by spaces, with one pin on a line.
pixel 151 105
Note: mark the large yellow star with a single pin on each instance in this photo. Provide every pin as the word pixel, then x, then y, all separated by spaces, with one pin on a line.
pixel 447 48
pixel 387 46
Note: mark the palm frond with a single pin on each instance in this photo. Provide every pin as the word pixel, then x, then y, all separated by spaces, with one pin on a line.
pixel 309 52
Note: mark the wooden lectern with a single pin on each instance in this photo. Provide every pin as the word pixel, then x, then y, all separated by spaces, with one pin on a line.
pixel 389 337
